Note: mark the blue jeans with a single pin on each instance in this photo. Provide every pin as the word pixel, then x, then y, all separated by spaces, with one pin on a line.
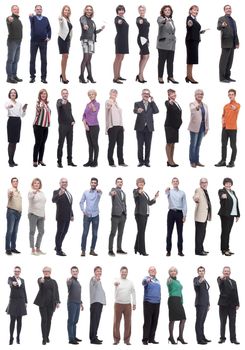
pixel 13 57
pixel 86 224
pixel 73 317
pixel 196 139
pixel 13 218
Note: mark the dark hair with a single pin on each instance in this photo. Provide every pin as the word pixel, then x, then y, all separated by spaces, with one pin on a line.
pixel 118 178
pixel 232 90
pixel 38 6
pixel 40 93
pixel 123 268
pixel 226 6
pixel 74 268
pixel 17 267
pixel 94 179
pixel 64 90
pixel 200 267
pixel 97 268
pixel 170 91
pixel 175 178
pixel 16 93
pixel 227 179
pixel 14 178
pixel 119 8
pixel 164 8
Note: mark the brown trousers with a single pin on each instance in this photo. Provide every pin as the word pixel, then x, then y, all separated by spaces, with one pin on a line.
pixel 126 311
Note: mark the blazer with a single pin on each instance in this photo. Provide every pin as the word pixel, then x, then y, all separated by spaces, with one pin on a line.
pixel 64 29
pixel 196 117
pixel 17 292
pixel 228 292
pixel 226 204
pixel 166 34
pixel 193 32
pixel 229 38
pixel 145 118
pixel 91 32
pixel 48 293
pixel 201 210
pixel 142 201
pixel 119 206
pixel 173 117
pixel 64 206
pixel 202 292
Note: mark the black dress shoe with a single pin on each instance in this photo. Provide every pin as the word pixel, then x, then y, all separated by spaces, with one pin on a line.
pixel 94 164
pixel 225 81
pixel 15 163
pixel 12 81
pixel 8 252
pixel 44 81
pixel 235 342
pixel 96 341
pixel 202 342
pixel 232 80
pixel 18 79
pixel 121 252
pixel 111 253
pixel 147 165
pixel 61 253
pixel 205 252
pixel 11 164
pixel 221 163
pixel 15 251
pixel 140 165
pixel 74 342
pixel 87 164
pixel 44 342
pixel 47 340
pixel 144 342
pixel 32 80
pixel 59 165
pixel 180 254
pixel 72 164
pixel 153 342
pixel 168 254
pixel 207 340
pixel 78 339
pixel 202 254
pixel 221 341
pixel 123 164
pixel 230 165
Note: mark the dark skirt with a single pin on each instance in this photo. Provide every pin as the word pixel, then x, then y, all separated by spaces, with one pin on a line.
pixel 172 135
pixel 64 45
pixel 176 309
pixel 144 49
pixel 192 51
pixel 16 307
pixel 121 43
pixel 13 129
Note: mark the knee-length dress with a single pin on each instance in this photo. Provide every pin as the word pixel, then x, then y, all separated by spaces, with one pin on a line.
pixel 17 299
pixel 121 39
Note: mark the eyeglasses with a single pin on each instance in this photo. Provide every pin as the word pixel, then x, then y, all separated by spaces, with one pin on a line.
pixel 47 271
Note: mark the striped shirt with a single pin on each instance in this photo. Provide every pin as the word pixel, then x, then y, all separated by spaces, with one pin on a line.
pixel 43 113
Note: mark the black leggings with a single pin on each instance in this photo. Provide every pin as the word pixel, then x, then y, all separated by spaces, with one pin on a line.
pixel 12 325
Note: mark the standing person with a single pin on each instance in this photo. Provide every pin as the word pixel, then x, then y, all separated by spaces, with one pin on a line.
pixel 172 124
pixel 229 129
pixel 229 42
pixel 17 303
pixel 64 214
pixel 143 42
pixel 229 210
pixel 48 300
pixel 118 216
pixel 166 44
pixel 151 306
pixel 15 112
pixel 97 301
pixel 228 305
pixel 90 215
pixel 202 304
pixel 74 304
pixel 40 35
pixel 121 43
pixel 141 212
pixel 114 129
pixel 40 127
pixel 177 214
pixel 203 214
pixel 175 306
pixel 144 126
pixel 13 43
pixel 64 40
pixel 125 302
pixel 36 215
pixel 14 209
pixel 88 39
pixel 92 129
pixel 66 123
pixel 198 127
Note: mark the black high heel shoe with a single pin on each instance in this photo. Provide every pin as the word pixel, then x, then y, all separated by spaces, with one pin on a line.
pixel 140 81
pixel 41 163
pixel 181 340
pixel 188 80
pixel 11 341
pixel 171 340
pixel 144 254
pixel 18 339
pixel 172 80
pixel 90 78
pixel 160 81
pixel 63 81
pixel 82 80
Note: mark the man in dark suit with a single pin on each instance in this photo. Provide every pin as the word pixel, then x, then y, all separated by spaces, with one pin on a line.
pixel 64 214
pixel 201 287
pixel 228 305
pixel 118 216
pixel 229 42
pixel 144 126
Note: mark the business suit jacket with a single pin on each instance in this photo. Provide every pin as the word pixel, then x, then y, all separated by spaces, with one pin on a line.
pixel 202 292
pixel 201 210
pixel 229 39
pixel 142 200
pixel 64 206
pixel 166 34
pixel 196 117
pixel 193 32
pixel 48 293
pixel 145 118
pixel 226 204
pixel 173 117
pixel 119 206
pixel 228 292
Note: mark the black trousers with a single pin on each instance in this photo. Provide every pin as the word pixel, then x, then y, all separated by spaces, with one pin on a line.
pixel 225 136
pixel 175 216
pixel 200 236
pixel 226 226
pixel 95 314
pixel 201 314
pixel 141 221
pixel 144 138
pixel 62 229
pixel 224 312
pixel 151 313
pixel 93 147
pixel 163 56
pixel 117 226
pixel 41 135
pixel 46 313
pixel 225 63
pixel 116 135
pixel 42 46
pixel 65 132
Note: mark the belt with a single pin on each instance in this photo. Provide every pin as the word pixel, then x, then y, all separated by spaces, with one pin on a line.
pixel 177 210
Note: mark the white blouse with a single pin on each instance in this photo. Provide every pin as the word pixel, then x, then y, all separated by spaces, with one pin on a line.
pixel 14 109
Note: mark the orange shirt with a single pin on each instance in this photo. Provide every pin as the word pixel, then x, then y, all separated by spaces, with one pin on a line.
pixel 229 117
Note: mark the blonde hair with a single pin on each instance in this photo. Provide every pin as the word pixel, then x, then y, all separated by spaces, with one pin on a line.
pixel 36 180
pixel 63 8
pixel 92 92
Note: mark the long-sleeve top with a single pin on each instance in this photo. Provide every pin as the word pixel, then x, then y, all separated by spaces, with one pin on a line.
pixel 37 203
pixel 96 292
pixel 202 292
pixel 125 292
pixel 90 116
pixel 14 200
pixel 228 292
pixel 91 32
pixel 229 117
pixel 174 288
pixel 142 202
pixel 19 291
pixel 43 114
pixel 113 115
pixel 14 109
pixel 177 200
pixel 64 110
pixel 65 28
pixel 14 28
pixel 91 198
pixel 152 290
pixel 40 28
pixel 74 291
pixel 48 294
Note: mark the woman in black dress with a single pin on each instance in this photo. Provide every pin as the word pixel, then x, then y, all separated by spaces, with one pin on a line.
pixel 121 43
pixel 17 303
pixel 172 124
pixel 143 42
pixel 64 40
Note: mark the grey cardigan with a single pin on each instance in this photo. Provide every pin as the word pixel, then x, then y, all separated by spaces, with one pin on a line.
pixel 166 34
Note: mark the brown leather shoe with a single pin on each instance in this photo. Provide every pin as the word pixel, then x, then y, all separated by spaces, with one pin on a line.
pixel 193 165
pixel 92 252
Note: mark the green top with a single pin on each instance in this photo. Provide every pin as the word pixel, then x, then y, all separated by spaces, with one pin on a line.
pixel 174 288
